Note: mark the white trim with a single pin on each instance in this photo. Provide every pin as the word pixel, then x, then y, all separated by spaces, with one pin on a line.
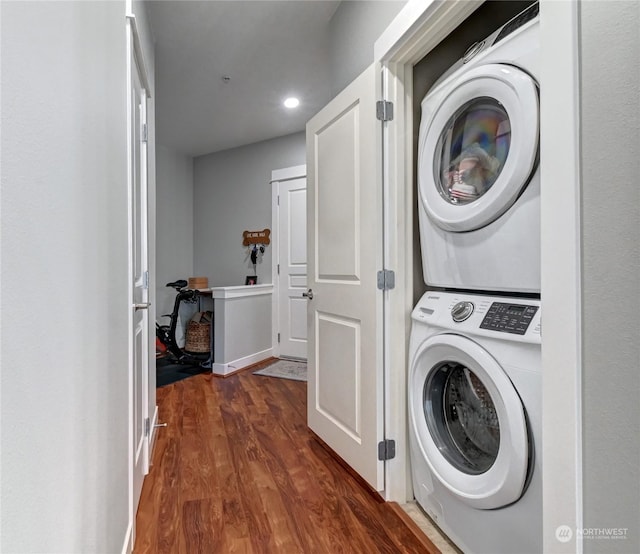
pixel 240 363
pixel 419 27
pixel 561 286
pixel 239 291
pixel 289 173
pixel 278 176
pixel 275 261
pixel 139 55
pixel 398 253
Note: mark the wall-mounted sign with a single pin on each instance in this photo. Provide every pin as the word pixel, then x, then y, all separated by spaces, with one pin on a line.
pixel 256 237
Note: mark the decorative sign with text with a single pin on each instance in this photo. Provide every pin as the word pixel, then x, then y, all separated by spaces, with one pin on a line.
pixel 256 237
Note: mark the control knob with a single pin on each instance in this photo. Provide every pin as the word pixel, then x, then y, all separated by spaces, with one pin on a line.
pixel 462 310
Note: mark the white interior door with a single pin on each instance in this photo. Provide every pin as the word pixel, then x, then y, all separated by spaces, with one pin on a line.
pixel 292 268
pixel 139 265
pixel 345 407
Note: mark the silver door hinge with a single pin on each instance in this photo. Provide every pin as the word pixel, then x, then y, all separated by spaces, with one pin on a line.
pixel 145 279
pixel 386 450
pixel 386 279
pixel 384 110
pixel 147 426
pixel 145 133
pixel 278 337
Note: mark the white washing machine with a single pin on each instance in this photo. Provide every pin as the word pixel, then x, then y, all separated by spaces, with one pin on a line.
pixel 478 176
pixel 475 419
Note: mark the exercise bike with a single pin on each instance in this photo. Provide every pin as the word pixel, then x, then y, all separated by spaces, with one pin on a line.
pixel 166 334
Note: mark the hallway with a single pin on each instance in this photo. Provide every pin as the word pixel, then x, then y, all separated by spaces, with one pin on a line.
pixel 237 470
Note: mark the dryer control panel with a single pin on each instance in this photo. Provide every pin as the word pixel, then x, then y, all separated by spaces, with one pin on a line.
pixel 509 318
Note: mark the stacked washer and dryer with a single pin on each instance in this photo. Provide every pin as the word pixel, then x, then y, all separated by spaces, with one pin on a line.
pixel 474 363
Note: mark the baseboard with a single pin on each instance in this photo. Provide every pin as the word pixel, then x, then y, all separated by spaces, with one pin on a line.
pixel 240 363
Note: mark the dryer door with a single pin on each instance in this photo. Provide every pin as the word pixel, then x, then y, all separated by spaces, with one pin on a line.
pixel 478 146
pixel 469 422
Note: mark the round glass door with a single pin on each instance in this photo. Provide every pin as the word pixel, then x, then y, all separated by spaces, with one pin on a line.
pixel 468 421
pixel 472 150
pixel 478 146
pixel 462 418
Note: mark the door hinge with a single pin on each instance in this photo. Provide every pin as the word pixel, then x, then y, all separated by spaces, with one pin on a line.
pixel 145 280
pixel 278 200
pixel 386 450
pixel 384 110
pixel 278 337
pixel 145 133
pixel 386 279
pixel 147 426
pixel 278 269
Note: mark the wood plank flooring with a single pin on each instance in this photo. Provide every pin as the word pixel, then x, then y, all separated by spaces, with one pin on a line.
pixel 237 470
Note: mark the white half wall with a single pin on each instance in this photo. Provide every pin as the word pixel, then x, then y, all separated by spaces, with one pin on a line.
pixel 64 350
pixel 242 327
pixel 232 193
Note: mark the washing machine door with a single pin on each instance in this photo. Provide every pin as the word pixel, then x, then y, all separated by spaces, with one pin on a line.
pixel 469 421
pixel 478 146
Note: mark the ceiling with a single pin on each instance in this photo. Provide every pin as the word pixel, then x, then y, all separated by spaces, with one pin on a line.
pixel 269 49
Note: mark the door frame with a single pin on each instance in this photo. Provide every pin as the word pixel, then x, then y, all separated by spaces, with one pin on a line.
pixel 417 29
pixel 136 62
pixel 277 177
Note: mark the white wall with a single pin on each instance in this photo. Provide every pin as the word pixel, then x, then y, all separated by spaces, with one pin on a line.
pixel 64 443
pixel 175 225
pixel 610 127
pixel 353 29
pixel 232 194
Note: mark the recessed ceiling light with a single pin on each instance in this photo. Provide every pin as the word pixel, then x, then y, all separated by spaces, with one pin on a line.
pixel 291 102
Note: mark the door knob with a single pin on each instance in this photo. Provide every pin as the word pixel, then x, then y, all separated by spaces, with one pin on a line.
pixel 308 294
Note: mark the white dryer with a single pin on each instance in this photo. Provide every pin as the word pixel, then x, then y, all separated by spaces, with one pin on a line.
pixel 478 177
pixel 474 395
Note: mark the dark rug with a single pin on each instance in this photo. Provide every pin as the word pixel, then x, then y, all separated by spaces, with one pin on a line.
pixel 168 372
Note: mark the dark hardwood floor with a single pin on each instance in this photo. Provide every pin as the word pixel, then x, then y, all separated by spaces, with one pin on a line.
pixel 237 470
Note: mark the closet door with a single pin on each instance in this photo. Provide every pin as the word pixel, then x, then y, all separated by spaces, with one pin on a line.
pixel 344 214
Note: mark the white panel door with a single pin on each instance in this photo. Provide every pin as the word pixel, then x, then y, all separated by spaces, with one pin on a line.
pixel 345 407
pixel 139 265
pixel 292 278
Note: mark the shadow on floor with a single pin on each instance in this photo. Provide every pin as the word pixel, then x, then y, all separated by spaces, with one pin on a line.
pixel 168 372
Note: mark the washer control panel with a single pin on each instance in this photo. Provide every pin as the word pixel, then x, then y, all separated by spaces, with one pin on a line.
pixel 509 318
